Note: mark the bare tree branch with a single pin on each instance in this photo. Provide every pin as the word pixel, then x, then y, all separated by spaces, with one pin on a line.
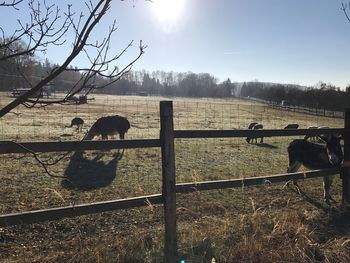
pixel 44 164
pixel 13 4
pixel 344 8
pixel 43 31
pixel 39 33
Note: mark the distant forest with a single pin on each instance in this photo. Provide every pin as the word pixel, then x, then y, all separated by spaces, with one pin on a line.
pixel 25 71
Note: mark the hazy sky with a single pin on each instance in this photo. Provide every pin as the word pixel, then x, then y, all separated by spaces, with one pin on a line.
pixel 286 41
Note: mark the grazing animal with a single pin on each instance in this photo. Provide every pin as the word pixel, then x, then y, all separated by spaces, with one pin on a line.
pixel 108 126
pixel 79 122
pixel 252 125
pixel 292 126
pixel 255 126
pixel 315 156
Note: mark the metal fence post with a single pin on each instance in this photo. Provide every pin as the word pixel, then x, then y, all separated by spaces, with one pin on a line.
pixel 169 180
pixel 345 170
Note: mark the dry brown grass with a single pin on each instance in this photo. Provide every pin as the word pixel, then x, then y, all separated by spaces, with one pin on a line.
pixel 269 223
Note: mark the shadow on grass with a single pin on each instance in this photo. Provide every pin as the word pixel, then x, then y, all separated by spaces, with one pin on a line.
pixel 333 223
pixel 266 145
pixel 87 174
pixel 315 202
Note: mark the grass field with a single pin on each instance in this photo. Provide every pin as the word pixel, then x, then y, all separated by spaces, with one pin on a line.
pixel 269 223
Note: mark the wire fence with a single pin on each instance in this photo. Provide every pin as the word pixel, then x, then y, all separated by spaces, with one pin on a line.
pixel 138 172
pixel 51 123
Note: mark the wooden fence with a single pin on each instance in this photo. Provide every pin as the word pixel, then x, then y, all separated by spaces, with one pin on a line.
pixel 311 111
pixel 169 186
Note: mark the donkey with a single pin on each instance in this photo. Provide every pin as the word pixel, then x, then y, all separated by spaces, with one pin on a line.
pixel 79 122
pixel 315 156
pixel 108 126
pixel 292 126
pixel 255 126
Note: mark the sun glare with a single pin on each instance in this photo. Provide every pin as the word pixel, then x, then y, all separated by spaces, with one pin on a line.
pixel 168 11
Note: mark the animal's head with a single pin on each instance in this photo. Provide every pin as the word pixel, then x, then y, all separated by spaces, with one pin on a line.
pixel 90 134
pixel 251 125
pixel 334 151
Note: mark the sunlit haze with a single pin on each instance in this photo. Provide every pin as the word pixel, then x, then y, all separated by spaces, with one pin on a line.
pixel 168 12
pixel 296 42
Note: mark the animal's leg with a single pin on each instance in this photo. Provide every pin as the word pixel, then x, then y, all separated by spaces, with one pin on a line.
pixel 121 152
pixel 327 182
pixel 261 139
pixel 104 137
pixel 293 167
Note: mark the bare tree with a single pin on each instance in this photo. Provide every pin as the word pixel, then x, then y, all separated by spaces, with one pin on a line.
pixel 13 4
pixel 344 8
pixel 48 27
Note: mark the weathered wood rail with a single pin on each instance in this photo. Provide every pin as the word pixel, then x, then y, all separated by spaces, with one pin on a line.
pixel 42 215
pixel 27 147
pixel 169 187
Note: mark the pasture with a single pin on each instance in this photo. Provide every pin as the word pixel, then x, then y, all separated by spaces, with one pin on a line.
pixel 269 223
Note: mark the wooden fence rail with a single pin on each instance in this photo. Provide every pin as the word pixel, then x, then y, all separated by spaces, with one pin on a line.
pixel 57 213
pixel 252 181
pixel 169 187
pixel 50 214
pixel 24 147
pixel 254 133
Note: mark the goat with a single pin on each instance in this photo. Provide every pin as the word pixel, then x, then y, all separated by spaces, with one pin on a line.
pixel 79 122
pixel 315 156
pixel 255 126
pixel 292 126
pixel 108 126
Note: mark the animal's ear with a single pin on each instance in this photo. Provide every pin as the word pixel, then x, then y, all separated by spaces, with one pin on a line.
pixel 323 137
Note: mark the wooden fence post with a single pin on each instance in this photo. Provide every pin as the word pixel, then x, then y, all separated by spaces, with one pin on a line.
pixel 169 180
pixel 345 170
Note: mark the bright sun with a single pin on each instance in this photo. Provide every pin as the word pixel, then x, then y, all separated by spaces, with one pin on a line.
pixel 168 11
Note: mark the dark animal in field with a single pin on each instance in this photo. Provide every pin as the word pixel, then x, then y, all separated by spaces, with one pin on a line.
pixel 251 125
pixel 316 156
pixel 79 122
pixel 292 126
pixel 109 125
pixel 255 126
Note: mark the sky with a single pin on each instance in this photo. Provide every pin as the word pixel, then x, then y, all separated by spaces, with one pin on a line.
pixel 281 41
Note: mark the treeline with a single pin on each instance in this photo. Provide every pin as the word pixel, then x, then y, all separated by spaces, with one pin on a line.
pixel 26 71
pixel 172 84
pixel 322 96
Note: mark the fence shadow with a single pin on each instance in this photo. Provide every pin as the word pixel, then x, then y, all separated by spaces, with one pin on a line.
pixel 266 145
pixel 87 174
